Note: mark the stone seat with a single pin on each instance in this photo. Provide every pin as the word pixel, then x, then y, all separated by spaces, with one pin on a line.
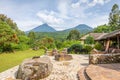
pixel 63 57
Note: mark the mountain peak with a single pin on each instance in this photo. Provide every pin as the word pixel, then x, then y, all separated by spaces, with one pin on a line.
pixel 45 24
pixel 83 28
pixel 44 28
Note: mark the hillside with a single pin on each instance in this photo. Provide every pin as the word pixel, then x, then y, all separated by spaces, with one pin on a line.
pixel 82 28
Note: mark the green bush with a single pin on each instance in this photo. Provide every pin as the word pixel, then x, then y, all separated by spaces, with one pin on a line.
pixel 75 48
pixel 88 48
pixel 89 40
pixel 20 46
pixel 98 46
pixel 58 44
pixel 69 43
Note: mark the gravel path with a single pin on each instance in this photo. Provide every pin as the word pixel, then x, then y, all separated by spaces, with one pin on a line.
pixel 64 70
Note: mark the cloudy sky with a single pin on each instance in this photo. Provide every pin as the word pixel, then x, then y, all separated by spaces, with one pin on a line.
pixel 61 14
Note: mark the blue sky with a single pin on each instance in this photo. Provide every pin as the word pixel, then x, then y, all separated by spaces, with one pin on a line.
pixel 61 14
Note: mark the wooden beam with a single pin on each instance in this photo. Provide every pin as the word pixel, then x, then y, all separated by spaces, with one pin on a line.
pixel 118 41
pixel 107 45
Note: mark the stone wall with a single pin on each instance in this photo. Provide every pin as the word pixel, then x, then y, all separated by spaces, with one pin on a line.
pixel 104 58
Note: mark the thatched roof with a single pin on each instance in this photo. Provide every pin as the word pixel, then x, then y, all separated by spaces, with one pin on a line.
pixel 110 35
pixel 96 36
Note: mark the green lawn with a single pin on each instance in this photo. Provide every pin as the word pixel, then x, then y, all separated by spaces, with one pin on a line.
pixel 8 60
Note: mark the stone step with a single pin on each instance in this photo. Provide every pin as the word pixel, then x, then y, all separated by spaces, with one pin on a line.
pixel 103 72
pixel 82 75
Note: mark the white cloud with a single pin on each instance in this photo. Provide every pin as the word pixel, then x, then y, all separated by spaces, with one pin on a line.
pixel 95 2
pixel 28 24
pixel 63 6
pixel 98 20
pixel 75 5
pixel 49 17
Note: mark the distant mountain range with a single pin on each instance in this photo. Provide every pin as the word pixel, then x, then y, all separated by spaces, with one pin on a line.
pixel 82 28
pixel 45 30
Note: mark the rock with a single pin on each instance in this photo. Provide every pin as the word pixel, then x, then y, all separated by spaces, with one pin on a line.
pixel 95 51
pixel 35 48
pixel 35 69
pixel 104 58
pixel 36 57
pixel 52 53
pixel 63 57
pixel 11 78
pixel 64 51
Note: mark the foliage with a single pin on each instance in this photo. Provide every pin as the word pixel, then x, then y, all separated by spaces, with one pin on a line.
pixel 58 44
pixel 89 40
pixel 32 37
pixel 11 38
pixel 75 48
pixel 114 21
pixel 11 24
pixel 98 46
pixel 102 29
pixel 114 18
pixel 88 48
pixel 46 42
pixel 24 39
pixel 7 36
pixel 73 35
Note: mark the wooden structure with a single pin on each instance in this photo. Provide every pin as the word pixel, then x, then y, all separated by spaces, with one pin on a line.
pixel 95 36
pixel 111 40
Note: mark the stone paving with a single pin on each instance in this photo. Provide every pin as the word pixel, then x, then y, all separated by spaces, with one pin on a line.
pixel 67 70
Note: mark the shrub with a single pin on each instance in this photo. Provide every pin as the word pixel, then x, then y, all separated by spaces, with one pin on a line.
pixel 98 46
pixel 88 48
pixel 89 40
pixel 21 47
pixel 76 48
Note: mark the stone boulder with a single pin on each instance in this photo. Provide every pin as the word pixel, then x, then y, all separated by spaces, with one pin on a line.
pixel 64 51
pixel 95 51
pixel 34 69
pixel 52 53
pixel 63 57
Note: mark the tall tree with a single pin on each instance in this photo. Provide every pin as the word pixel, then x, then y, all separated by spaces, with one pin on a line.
pixel 32 37
pixel 7 36
pixel 114 18
pixel 11 24
pixel 73 35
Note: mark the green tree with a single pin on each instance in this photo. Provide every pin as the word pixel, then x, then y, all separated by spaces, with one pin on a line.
pixel 114 18
pixel 46 42
pixel 11 23
pixel 73 35
pixel 102 28
pixel 32 37
pixel 7 37
pixel 89 40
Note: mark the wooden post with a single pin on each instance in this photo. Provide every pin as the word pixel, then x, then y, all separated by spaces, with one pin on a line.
pixel 118 41
pixel 107 45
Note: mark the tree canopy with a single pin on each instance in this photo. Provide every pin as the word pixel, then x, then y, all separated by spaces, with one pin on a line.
pixel 73 35
pixel 114 18
pixel 114 21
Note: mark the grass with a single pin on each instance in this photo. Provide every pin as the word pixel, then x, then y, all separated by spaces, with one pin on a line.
pixel 9 60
